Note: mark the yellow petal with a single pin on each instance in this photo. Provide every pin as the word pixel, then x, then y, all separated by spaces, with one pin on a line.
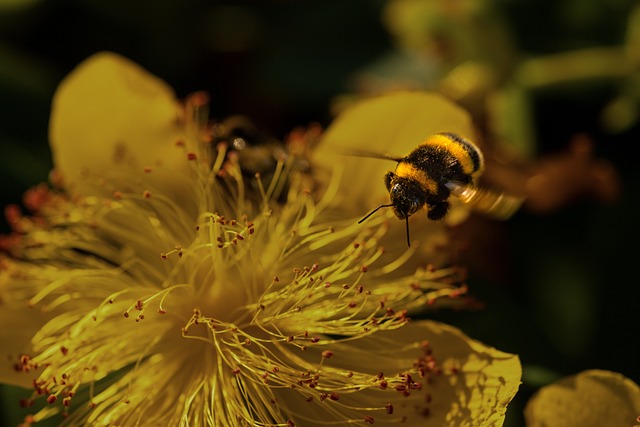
pixel 487 380
pixel 17 341
pixel 475 396
pixel 19 324
pixel 111 115
pixel 591 398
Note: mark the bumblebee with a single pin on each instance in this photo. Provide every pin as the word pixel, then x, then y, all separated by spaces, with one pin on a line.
pixel 444 165
pixel 259 153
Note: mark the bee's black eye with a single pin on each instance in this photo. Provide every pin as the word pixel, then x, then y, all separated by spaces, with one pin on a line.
pixel 388 179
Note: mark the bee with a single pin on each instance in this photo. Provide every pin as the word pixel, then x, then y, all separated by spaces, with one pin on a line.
pixel 444 165
pixel 257 150
pixel 259 153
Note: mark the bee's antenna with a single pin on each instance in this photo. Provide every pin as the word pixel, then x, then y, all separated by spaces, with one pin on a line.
pixel 374 211
pixel 408 240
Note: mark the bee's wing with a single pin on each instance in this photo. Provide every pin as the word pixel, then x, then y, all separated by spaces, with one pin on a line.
pixel 495 204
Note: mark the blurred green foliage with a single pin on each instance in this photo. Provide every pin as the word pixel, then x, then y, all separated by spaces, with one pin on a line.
pixel 566 298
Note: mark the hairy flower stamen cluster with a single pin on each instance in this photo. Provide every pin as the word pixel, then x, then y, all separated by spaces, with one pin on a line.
pixel 226 308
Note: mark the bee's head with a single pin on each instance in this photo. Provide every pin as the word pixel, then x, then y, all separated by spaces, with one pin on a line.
pixel 407 195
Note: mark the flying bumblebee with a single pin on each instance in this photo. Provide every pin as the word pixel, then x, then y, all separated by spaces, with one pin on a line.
pixel 444 165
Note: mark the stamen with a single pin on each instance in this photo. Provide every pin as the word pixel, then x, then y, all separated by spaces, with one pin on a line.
pixel 271 190
pixel 259 307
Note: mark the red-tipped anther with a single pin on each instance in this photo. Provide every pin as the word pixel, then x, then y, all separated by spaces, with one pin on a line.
pixel 35 198
pixel 199 99
pixel 26 403
pixel 13 215
pixel 327 354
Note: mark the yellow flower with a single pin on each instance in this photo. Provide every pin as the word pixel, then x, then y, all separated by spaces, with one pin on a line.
pixel 155 288
pixel 591 398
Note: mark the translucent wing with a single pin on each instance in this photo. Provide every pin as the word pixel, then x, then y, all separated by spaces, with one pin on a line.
pixel 495 204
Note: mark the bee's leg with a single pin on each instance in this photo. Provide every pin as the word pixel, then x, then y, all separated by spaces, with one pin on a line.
pixel 437 203
pixel 437 209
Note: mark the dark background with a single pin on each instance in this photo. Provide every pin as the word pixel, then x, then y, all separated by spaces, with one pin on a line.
pixel 568 300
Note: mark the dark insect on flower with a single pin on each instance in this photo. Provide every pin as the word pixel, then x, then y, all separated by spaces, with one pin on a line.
pixel 261 155
pixel 444 165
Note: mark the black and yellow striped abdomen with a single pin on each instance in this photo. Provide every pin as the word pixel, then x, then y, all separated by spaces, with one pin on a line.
pixel 465 153
pixel 442 158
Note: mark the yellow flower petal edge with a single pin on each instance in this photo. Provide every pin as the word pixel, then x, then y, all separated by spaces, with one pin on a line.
pixel 483 380
pixel 467 383
pixel 109 114
pixel 591 398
